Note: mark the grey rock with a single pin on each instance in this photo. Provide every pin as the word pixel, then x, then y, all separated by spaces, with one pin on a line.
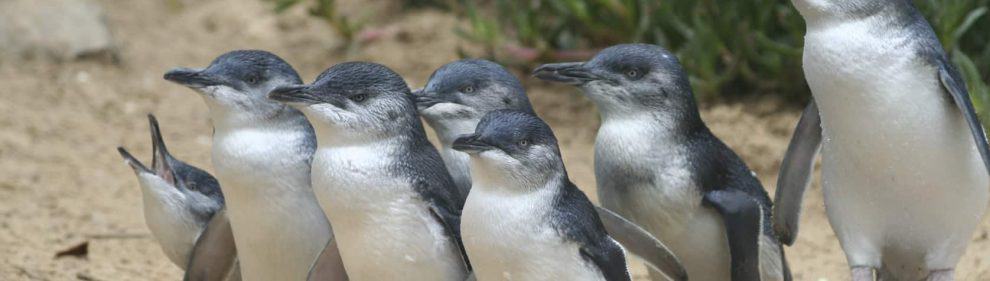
pixel 60 29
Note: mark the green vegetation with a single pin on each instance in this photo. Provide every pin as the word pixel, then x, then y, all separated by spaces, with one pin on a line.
pixel 730 48
pixel 963 26
pixel 327 10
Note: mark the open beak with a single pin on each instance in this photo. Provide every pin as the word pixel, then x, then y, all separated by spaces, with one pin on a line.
pixel 571 73
pixel 191 78
pixel 133 162
pixel 425 99
pixel 160 163
pixel 471 144
pixel 160 156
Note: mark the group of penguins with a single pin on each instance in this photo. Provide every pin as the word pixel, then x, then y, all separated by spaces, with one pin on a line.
pixel 904 168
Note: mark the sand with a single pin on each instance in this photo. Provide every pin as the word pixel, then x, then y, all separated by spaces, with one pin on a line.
pixel 62 182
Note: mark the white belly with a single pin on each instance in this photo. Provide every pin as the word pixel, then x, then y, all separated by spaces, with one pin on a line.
pixel 902 179
pixel 695 234
pixel 279 229
pixel 167 215
pixel 508 237
pixel 384 230
pixel 672 209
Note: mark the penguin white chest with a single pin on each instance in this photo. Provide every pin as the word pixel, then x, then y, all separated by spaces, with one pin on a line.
pixel 385 229
pixel 169 219
pixel 458 164
pixel 509 237
pixel 277 222
pixel 893 141
pixel 648 180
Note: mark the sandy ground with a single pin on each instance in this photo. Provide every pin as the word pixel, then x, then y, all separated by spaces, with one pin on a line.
pixel 62 182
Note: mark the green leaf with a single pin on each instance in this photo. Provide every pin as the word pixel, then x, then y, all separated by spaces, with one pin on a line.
pixel 971 18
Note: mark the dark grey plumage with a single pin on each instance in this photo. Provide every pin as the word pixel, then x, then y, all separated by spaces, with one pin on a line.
pixel 239 69
pixel 463 81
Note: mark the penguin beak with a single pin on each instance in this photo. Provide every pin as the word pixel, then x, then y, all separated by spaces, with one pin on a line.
pixel 159 164
pixel 133 162
pixel 425 99
pixel 160 156
pixel 191 78
pixel 571 73
pixel 302 94
pixel 471 144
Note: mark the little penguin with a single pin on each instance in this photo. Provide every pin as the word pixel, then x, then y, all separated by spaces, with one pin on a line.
pixel 180 200
pixel 262 152
pixel 904 157
pixel 524 219
pixel 455 99
pixel 395 209
pixel 658 164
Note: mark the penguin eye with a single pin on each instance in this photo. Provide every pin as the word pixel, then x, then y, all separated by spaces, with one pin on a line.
pixel 523 143
pixel 359 97
pixel 633 73
pixel 467 89
pixel 252 80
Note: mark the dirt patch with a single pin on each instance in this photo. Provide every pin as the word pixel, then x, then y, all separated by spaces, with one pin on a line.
pixel 63 183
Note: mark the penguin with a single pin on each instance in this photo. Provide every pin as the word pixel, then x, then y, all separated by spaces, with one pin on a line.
pixel 262 152
pixel 657 164
pixel 395 209
pixel 524 219
pixel 455 99
pixel 904 157
pixel 180 200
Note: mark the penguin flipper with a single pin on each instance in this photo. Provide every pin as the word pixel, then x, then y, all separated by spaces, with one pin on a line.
pixel 741 215
pixel 214 254
pixel 953 83
pixel 328 266
pixel 641 243
pixel 451 223
pixel 610 261
pixel 795 174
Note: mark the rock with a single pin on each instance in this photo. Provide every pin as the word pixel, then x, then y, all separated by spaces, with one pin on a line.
pixel 61 29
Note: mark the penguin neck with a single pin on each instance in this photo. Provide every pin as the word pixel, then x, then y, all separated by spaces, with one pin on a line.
pixel 500 179
pixel 458 163
pixel 333 136
pixel 668 120
pixel 830 14
pixel 284 118
pixel 449 130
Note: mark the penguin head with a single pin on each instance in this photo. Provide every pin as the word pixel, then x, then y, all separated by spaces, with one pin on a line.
pixel 166 171
pixel 628 78
pixel 356 99
pixel 237 82
pixel 512 145
pixel 467 90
